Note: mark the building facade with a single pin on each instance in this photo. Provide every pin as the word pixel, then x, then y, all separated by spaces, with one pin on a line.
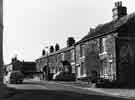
pixel 57 61
pixel 107 51
pixel 27 68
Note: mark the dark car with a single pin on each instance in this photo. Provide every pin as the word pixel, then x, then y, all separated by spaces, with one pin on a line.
pixel 104 83
pixel 13 77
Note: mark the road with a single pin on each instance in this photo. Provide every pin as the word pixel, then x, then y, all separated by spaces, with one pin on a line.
pixel 44 90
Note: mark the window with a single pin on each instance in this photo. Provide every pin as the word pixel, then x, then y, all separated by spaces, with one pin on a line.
pixel 83 71
pixel 62 56
pixel 72 55
pixel 73 69
pixel 104 45
pixel 82 50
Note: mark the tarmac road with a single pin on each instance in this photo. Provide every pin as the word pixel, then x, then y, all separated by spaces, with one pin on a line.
pixel 49 90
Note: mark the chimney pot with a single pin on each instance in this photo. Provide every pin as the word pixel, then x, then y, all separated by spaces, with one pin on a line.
pixel 119 10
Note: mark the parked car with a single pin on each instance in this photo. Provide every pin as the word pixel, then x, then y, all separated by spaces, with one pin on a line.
pixel 55 75
pixel 13 77
pixel 102 83
pixel 106 83
pixel 63 76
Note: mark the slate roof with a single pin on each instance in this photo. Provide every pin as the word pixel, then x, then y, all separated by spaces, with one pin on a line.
pixel 57 52
pixel 109 27
pixel 100 30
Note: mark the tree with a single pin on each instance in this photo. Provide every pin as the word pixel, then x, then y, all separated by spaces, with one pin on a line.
pixel 51 49
pixel 57 47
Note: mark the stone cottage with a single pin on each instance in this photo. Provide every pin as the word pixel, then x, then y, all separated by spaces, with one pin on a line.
pixel 108 50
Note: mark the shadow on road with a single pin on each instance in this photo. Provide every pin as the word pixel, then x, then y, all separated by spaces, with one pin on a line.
pixel 17 94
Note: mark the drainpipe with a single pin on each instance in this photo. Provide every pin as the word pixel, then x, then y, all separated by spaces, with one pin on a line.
pixel 75 63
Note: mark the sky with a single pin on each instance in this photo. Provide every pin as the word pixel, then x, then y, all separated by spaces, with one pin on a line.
pixel 31 25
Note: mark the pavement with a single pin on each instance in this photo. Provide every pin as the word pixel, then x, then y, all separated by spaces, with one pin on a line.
pixel 116 92
pixel 35 89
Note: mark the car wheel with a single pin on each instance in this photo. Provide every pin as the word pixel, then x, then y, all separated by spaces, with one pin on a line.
pixel 16 82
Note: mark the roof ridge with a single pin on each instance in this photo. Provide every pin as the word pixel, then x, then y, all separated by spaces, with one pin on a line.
pixel 109 26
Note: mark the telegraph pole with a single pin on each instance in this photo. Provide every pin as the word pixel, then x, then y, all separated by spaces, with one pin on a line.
pixel 1 42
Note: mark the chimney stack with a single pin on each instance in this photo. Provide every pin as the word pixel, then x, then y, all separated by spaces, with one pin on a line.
pixel 119 10
pixel 70 41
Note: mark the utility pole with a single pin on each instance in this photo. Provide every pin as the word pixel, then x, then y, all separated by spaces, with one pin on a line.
pixel 1 42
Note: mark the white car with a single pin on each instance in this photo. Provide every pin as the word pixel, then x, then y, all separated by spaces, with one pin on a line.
pixel 56 74
pixel 6 78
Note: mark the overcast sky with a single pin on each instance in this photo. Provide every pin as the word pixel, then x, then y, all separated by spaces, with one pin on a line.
pixel 31 25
